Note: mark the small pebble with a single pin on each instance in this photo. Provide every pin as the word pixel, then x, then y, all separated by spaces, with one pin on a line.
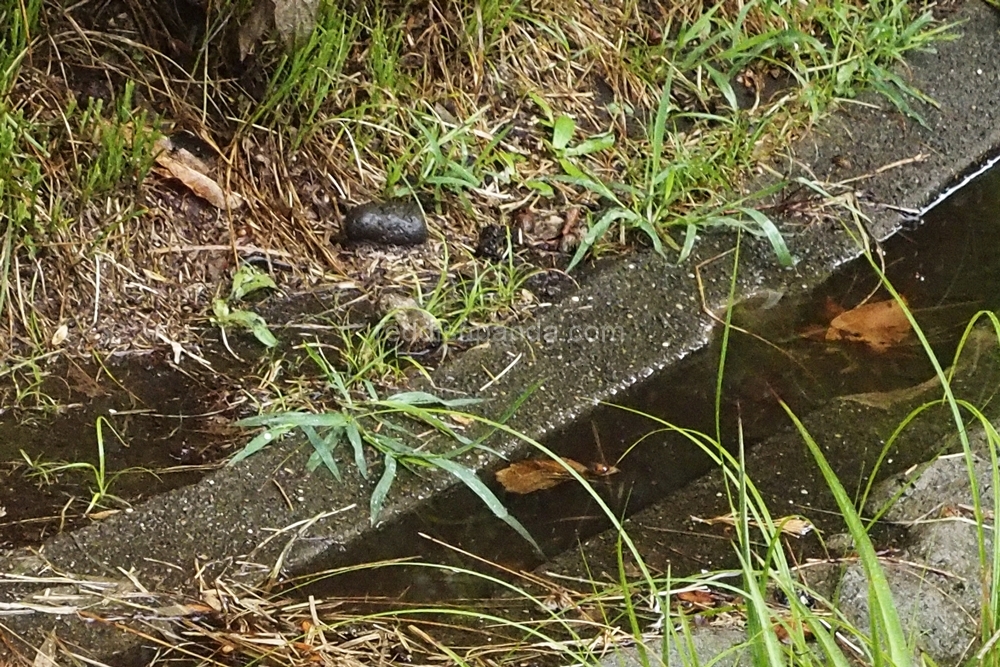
pixel 414 325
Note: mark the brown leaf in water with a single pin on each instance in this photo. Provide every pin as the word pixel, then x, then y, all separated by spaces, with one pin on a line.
pixel 879 325
pixel 78 380
pixel 832 309
pixel 533 475
pixel 701 598
pixel 187 169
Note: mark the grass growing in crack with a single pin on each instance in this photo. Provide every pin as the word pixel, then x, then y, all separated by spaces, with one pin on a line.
pixel 123 147
pixel 491 295
pixel 462 305
pixel 384 426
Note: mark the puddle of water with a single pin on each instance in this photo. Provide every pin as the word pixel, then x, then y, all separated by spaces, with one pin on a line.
pixel 947 268
pixel 164 429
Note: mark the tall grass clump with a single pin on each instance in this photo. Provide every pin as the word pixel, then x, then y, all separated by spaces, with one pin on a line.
pixel 705 139
pixel 21 174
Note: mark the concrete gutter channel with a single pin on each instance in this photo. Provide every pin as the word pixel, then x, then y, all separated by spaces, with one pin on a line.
pixel 223 524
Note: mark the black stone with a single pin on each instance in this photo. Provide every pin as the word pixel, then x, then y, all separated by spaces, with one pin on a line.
pixel 395 222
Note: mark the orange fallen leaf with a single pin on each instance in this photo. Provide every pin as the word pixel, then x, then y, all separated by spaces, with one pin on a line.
pixel 703 599
pixel 879 325
pixel 533 475
pixel 187 169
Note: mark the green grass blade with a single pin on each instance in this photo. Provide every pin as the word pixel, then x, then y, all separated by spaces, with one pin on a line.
pixel 261 441
pixel 562 132
pixel 295 419
pixel 425 398
pixel 880 602
pixel 357 444
pixel 382 488
pixel 470 479
pixel 324 449
pixel 770 231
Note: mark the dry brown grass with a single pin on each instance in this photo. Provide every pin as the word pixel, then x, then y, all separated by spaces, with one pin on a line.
pixel 144 261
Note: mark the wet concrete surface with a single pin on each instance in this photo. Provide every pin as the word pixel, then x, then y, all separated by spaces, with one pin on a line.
pixel 631 322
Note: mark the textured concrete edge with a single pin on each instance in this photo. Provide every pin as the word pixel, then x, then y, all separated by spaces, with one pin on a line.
pixel 232 516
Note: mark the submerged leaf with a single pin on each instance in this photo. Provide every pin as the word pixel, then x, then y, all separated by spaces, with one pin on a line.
pixel 533 475
pixel 879 325
pixel 884 400
pixel 793 526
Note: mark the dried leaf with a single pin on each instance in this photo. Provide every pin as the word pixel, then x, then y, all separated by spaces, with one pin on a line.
pixel 179 165
pixel 533 475
pixel 212 598
pixel 879 325
pixel 702 598
pixel 796 526
pixel 191 609
pixel 45 656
